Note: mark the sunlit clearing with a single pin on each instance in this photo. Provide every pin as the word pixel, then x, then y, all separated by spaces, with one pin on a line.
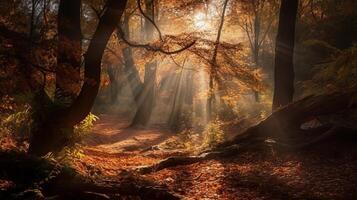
pixel 201 22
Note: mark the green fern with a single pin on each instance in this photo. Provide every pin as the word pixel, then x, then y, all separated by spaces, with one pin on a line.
pixel 86 125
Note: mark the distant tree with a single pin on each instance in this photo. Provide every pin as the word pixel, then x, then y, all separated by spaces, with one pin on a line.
pixel 284 54
pixel 213 71
pixel 256 18
pixel 145 99
pixel 131 72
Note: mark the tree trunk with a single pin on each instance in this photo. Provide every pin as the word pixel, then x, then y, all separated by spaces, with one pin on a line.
pixel 256 47
pixel 178 99
pixel 69 50
pixel 130 70
pixel 256 38
pixel 146 97
pixel 182 101
pixel 211 107
pixel 284 51
pixel 114 73
pixel 107 24
pixel 189 88
pixel 32 20
pixel 332 110
pixel 336 111
pixel 131 73
pixel 52 134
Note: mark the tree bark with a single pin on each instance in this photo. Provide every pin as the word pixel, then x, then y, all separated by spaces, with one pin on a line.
pixel 52 134
pixel 256 46
pixel 145 100
pixel 178 100
pixel 130 70
pixel 336 109
pixel 284 54
pixel 116 82
pixel 107 24
pixel 210 107
pixel 69 50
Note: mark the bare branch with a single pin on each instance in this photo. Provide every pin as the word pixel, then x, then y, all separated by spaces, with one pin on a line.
pixel 149 19
pixel 150 47
pixel 214 58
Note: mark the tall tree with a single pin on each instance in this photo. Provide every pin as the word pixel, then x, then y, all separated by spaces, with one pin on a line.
pixel 284 54
pixel 214 65
pixel 69 50
pixel 146 98
pixel 255 18
pixel 52 134
pixel 131 72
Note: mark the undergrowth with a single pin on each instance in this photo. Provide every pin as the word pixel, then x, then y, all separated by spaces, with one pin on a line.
pixel 195 141
pixel 85 127
pixel 18 126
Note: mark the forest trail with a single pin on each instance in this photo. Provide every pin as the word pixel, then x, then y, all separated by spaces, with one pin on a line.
pixel 113 146
pixel 113 149
pixel 113 134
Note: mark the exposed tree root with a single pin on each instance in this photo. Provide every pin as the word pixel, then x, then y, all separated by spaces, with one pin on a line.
pixel 37 178
pixel 187 160
pixel 337 113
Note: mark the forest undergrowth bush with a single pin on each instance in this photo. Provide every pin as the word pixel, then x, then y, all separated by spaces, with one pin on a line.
pixel 75 151
pixel 85 127
pixel 17 123
pixel 15 119
pixel 195 135
pixel 195 140
pixel 336 74
pixel 184 120
pixel 227 113
pixel 68 155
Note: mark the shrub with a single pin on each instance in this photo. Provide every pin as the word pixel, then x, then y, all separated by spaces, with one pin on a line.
pixel 227 113
pixel 85 126
pixel 213 134
pixel 189 139
pixel 183 120
pixel 19 123
pixel 339 74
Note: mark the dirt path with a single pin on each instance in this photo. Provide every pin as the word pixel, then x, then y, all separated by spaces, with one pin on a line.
pixel 113 135
pixel 113 148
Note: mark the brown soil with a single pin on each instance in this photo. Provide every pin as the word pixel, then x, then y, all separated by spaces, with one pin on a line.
pixel 113 148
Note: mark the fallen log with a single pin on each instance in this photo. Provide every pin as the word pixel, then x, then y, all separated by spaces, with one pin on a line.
pixel 336 111
pixel 187 160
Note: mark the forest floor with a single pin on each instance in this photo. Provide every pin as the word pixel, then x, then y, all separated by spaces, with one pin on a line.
pixel 113 148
